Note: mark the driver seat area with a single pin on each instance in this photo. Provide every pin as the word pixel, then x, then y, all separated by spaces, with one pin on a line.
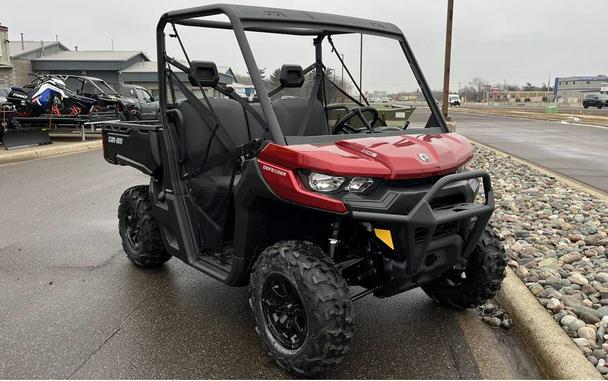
pixel 291 113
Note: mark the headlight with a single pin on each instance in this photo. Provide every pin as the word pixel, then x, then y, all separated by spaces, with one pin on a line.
pixel 359 184
pixel 324 183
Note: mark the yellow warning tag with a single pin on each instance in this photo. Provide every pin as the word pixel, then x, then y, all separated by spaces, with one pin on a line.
pixel 385 236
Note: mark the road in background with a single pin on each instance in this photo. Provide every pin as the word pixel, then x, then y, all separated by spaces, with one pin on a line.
pixel 577 151
pixel 541 109
pixel 73 306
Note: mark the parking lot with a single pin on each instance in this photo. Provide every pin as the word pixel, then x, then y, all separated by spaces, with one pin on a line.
pixel 577 151
pixel 73 306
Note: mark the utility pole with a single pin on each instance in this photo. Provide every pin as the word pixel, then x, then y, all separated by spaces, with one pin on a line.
pixel 111 39
pixel 448 54
pixel 342 77
pixel 360 67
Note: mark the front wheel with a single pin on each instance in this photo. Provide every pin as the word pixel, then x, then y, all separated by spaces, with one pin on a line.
pixel 301 306
pixel 585 106
pixel 478 282
pixel 600 105
pixel 139 231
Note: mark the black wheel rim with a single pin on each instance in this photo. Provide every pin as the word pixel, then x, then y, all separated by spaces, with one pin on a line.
pixel 132 228
pixel 284 312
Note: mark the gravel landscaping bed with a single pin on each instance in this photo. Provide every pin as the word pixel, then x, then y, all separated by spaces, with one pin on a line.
pixel 556 238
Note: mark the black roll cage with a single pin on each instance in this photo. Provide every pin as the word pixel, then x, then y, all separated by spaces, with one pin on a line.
pixel 280 21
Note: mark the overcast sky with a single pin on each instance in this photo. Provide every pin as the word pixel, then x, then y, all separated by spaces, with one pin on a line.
pixel 516 41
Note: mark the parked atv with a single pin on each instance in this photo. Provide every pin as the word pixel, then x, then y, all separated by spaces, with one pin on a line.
pixel 272 196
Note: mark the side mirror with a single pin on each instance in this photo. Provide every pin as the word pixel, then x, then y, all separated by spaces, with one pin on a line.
pixel 152 99
pixel 291 76
pixel 203 73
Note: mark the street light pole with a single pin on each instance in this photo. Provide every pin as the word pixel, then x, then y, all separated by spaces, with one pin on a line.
pixel 448 54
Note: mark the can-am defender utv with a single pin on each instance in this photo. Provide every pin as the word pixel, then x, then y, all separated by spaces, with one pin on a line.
pixel 312 217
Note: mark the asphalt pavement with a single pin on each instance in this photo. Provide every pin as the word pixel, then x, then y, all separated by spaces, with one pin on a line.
pixel 577 151
pixel 579 110
pixel 73 306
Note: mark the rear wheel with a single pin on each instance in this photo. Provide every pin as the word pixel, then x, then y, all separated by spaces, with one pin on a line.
pixel 585 106
pixel 599 105
pixel 301 306
pixel 140 233
pixel 479 282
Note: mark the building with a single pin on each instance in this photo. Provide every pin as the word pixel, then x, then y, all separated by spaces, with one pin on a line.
pixel 520 96
pixel 572 89
pixel 16 57
pixel 146 74
pixel 102 64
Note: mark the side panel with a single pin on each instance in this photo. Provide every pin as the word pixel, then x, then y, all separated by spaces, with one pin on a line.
pixel 136 146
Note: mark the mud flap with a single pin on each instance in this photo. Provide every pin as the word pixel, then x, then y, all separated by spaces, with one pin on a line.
pixel 25 137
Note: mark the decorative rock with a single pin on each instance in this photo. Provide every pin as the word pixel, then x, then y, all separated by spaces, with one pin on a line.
pixel 566 320
pixel 599 354
pixel 571 301
pixel 522 272
pixel 575 325
pixel 581 342
pixel 495 322
pixel 556 239
pixel 577 278
pixel 589 317
pixel 602 277
pixel 551 263
pixel 592 360
pixel 552 304
pixel 558 316
pixel 603 311
pixel 571 258
pixel 535 289
pixel 586 333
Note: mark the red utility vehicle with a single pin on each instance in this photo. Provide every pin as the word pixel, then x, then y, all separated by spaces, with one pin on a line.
pixel 311 216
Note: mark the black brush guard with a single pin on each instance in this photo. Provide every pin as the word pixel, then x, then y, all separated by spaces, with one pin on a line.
pixel 415 231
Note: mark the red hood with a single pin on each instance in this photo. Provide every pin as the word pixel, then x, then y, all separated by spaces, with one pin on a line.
pixel 389 157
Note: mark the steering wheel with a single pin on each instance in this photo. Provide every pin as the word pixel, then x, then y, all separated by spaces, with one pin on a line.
pixel 343 127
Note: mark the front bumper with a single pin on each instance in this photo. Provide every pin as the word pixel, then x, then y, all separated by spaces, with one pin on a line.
pixel 424 248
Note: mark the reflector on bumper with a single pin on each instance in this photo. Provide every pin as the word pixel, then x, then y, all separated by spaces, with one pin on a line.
pixel 385 236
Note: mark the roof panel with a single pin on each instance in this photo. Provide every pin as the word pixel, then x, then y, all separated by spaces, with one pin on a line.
pixel 290 21
pixel 91 55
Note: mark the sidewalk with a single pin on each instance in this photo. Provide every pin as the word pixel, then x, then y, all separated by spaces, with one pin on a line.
pixel 58 147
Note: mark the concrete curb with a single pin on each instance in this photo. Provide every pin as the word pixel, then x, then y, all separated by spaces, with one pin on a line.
pixel 556 354
pixel 48 151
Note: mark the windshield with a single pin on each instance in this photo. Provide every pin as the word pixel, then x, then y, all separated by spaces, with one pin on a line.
pixel 359 71
pixel 127 91
pixel 105 88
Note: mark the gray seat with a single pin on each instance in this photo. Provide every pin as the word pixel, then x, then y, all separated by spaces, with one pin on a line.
pixel 196 134
pixel 291 113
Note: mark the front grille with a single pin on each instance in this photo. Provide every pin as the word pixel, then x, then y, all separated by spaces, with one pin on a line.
pixel 446 201
pixel 442 230
pixel 415 182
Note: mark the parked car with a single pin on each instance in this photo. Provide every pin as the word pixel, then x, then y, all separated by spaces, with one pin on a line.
pixel 140 103
pixel 595 100
pixel 454 100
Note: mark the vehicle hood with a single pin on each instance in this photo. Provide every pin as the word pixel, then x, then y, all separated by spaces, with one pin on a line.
pixel 389 157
